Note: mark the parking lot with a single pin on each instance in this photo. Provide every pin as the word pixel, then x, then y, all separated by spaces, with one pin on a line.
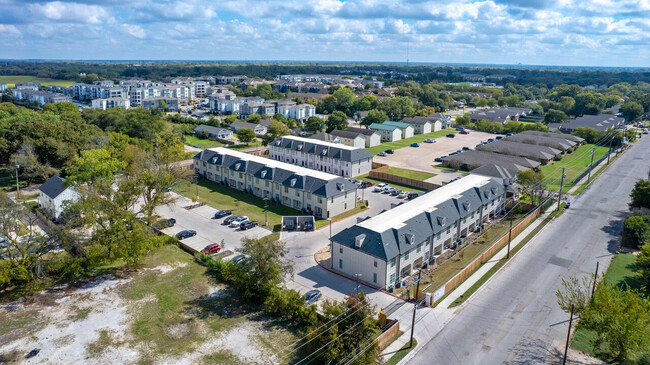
pixel 208 230
pixel 422 158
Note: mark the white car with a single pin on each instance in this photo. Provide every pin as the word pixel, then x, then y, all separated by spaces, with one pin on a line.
pixel 380 187
pixel 237 222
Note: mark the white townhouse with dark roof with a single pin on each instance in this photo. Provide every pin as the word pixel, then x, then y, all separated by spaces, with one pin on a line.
pixel 312 192
pixel 389 246
pixel 334 158
pixel 54 194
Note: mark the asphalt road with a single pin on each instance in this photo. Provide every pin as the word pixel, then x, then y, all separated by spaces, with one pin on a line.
pixel 514 318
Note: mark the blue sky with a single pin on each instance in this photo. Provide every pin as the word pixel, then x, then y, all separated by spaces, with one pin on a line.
pixel 539 32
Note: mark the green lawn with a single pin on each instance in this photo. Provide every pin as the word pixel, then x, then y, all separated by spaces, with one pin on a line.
pixel 11 80
pixel 254 144
pixel 418 138
pixel 411 174
pixel 574 163
pixel 192 140
pixel 401 353
pixel 240 203
pixel 398 186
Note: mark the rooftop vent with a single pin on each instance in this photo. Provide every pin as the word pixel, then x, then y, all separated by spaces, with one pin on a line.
pixel 358 240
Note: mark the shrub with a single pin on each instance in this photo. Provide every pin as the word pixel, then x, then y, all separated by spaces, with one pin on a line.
pixel 636 231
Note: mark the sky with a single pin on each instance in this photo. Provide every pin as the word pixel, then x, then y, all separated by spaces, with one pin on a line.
pixel 531 32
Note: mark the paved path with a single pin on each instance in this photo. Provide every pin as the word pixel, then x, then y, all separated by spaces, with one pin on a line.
pixel 514 318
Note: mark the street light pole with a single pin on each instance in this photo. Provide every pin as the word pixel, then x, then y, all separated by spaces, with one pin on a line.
pixel 609 152
pixel 331 246
pixel 590 164
pixel 266 207
pixel 357 275
pixel 415 305
pixel 561 185
pixel 568 336
pixel 509 237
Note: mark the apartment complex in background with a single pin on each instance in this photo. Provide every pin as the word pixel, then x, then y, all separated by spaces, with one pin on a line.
pixel 393 244
pixel 312 192
pixel 333 158
pixel 41 97
pixel 111 103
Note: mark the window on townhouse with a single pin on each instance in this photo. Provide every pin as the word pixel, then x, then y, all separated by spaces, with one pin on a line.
pixel 297 193
pixel 308 195
pixel 232 173
pixel 266 183
pixel 332 201
pixel 375 263
pixel 345 205
pixel 374 277
pixel 419 248
pixel 464 220
pixel 257 181
pixel 286 189
pixel 472 215
pixel 392 278
pixel 406 255
pixel 320 200
pixel 241 176
pixel 340 263
pixel 438 236
pixel 341 249
pixel 448 230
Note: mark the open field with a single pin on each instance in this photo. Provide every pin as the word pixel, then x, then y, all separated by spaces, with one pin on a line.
pixel 191 140
pixel 622 272
pixel 574 163
pixel 411 174
pixel 11 80
pixel 169 311
pixel 398 186
pixel 418 138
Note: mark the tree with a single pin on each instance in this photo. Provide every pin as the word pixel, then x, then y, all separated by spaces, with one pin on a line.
pixel 631 110
pixel 94 164
pixel 254 118
pixel 344 98
pixel 588 103
pixel 24 246
pixel 374 116
pixel 532 184
pixel 463 120
pixel 280 117
pixel 275 130
pixel 230 119
pixel 265 266
pixel 31 167
pixel 565 104
pixel 337 120
pixel 643 261
pixel 246 135
pixel 555 116
pixel 636 231
pixel 314 124
pixel 640 195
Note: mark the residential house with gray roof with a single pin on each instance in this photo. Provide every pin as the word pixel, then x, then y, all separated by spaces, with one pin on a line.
pixel 214 132
pixel 310 191
pixel 391 245
pixel 553 142
pixel 334 158
pixel 388 133
pixel 406 129
pixel 350 138
pixel 469 160
pixel 259 129
pixel 54 194
pixel 600 123
pixel 371 137
pixel 543 154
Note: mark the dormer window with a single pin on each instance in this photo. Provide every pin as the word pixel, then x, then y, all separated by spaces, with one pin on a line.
pixel 494 191
pixel 300 148
pixel 293 182
pixel 466 206
pixel 237 165
pixel 410 238
pixel 263 173
pixel 358 240
pixel 486 194
pixel 442 220
pixel 340 186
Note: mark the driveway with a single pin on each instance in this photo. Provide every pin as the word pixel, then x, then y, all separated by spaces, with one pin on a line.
pixel 208 230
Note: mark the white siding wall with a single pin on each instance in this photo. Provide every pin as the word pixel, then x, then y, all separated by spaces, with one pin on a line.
pixel 353 262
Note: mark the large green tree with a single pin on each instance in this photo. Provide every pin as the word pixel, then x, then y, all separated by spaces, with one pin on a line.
pixel 641 194
pixel 632 110
pixel 275 130
pixel 246 135
pixel 337 120
pixel 314 124
pixel 374 116
pixel 555 116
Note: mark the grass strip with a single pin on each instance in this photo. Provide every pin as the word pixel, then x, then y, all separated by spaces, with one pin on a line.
pixel 401 353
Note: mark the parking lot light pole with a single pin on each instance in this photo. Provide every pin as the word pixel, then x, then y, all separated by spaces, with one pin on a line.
pixel 559 199
pixel 357 275
pixel 331 245
pixel 266 207
pixel 415 306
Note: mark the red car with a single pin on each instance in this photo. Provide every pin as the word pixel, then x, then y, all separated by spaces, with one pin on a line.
pixel 464 132
pixel 212 248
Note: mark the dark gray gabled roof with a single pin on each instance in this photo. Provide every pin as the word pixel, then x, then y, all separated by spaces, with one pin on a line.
pixel 557 143
pixel 497 171
pixel 321 148
pixel 417 120
pixel 567 137
pixel 312 181
pixel 364 131
pixel 346 134
pixel 402 228
pixel 53 187
pixel 532 151
pixel 474 159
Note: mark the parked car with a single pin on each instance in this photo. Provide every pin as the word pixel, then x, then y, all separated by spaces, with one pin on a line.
pixel 168 190
pixel 510 134
pixel 463 132
pixel 366 184
pixel 239 259
pixel 387 189
pixel 430 140
pixel 415 145
pixel 451 135
pixel 248 225
pixel 412 195
pixel 312 297
pixel 222 213
pixel 439 159
pixel 490 140
pixel 453 153
pixel 230 219
pixel 382 154
pixel 355 181
pixel 460 128
pixel 211 248
pixel 395 192
pixel 390 152
pixel 185 234
pixel 499 137
pixel 403 194
pixel 237 222
pixel 380 187
pixel 466 149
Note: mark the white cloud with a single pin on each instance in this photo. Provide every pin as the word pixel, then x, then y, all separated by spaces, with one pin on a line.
pixel 135 30
pixel 69 12
pixel 9 29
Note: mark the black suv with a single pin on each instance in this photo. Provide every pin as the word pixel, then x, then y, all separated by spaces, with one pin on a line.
pixel 222 213
pixel 230 219
pixel 248 225
pixel 185 234
pixel 451 135
pixel 390 152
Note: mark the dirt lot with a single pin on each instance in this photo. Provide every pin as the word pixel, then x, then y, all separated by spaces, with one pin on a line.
pixel 421 158
pixel 167 312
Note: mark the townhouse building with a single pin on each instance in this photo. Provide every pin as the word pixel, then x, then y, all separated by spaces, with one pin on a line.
pixel 312 192
pixel 90 92
pixel 162 103
pixel 349 138
pixel 3 87
pixel 249 108
pixel 391 245
pixel 298 112
pixel 333 158
pixel 371 137
pixel 405 128
pixel 388 133
pixel 28 86
pixel 41 97
pixel 111 103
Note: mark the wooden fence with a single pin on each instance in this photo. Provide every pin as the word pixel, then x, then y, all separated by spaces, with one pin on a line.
pixel 379 172
pixel 496 246
pixel 385 338
pixel 263 153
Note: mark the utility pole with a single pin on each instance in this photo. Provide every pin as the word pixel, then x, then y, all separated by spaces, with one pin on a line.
pixel 568 336
pixel 266 207
pixel 17 185
pixel 415 305
pixel 509 236
pixel 357 275
pixel 609 152
pixel 332 247
pixel 593 288
pixel 559 199
pixel 590 164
